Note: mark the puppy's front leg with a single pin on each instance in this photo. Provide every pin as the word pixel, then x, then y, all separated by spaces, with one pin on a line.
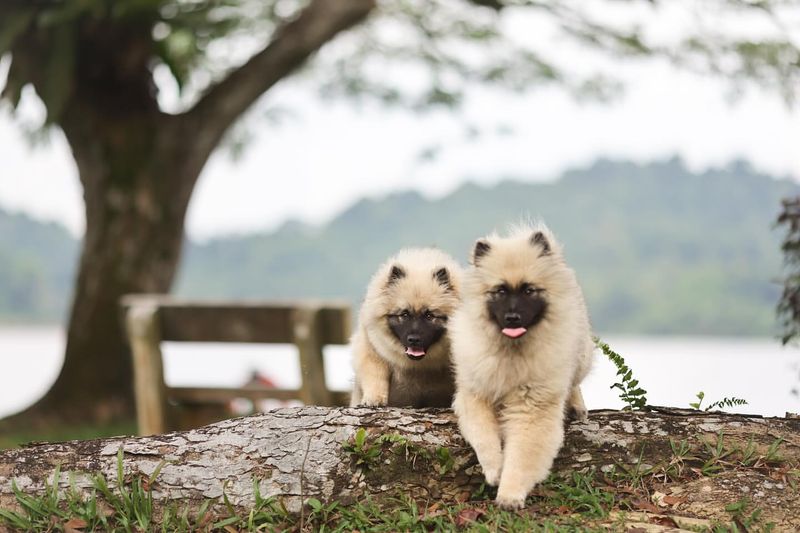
pixel 576 406
pixel 532 440
pixel 372 375
pixel 479 426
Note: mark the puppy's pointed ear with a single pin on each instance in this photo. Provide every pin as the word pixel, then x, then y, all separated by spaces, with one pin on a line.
pixel 442 277
pixel 481 248
pixel 538 239
pixel 395 274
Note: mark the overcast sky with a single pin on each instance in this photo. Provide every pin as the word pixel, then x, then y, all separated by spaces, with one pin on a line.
pixel 326 156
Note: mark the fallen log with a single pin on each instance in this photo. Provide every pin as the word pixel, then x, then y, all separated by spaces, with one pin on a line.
pixel 678 463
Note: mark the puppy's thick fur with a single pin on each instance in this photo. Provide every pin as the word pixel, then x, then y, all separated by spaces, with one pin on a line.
pixel 401 350
pixel 521 346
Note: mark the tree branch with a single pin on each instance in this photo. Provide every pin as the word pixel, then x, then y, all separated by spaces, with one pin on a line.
pixel 291 45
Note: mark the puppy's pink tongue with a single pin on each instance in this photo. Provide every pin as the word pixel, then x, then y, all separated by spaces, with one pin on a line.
pixel 514 332
pixel 415 353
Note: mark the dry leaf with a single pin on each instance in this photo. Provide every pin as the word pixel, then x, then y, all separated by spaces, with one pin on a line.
pixel 663 521
pixel 646 506
pixel 75 523
pixel 463 497
pixel 657 498
pixel 206 520
pixel 674 500
pixel 433 511
pixel 469 515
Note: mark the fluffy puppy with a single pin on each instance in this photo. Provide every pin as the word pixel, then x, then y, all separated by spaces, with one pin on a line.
pixel 401 350
pixel 521 347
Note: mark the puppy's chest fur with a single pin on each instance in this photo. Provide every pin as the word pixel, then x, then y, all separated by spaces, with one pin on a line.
pixel 495 377
pixel 421 388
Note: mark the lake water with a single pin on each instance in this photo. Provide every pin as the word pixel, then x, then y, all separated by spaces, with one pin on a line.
pixel 672 369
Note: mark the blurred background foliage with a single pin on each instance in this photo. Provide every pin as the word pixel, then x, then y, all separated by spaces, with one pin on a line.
pixel 654 254
pixel 415 53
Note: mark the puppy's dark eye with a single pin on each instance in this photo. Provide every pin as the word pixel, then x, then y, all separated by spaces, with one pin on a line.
pixel 429 316
pixel 530 291
pixel 501 291
pixel 404 313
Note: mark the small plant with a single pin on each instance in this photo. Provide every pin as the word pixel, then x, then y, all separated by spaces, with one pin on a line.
pixel 635 474
pixel 321 514
pixel 580 494
pixel 723 403
pixel 743 520
pixel 772 455
pixel 681 454
pixel 364 453
pixel 444 459
pixel 630 392
pixel 718 456
pixel 696 405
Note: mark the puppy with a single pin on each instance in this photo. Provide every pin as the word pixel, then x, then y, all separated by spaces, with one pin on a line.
pixel 401 350
pixel 521 347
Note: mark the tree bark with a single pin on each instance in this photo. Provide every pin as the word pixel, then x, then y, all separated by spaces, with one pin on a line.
pixel 298 453
pixel 138 167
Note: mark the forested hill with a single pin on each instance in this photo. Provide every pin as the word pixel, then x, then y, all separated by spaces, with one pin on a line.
pixel 657 248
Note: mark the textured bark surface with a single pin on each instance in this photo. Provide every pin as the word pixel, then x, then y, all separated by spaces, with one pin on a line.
pixel 297 453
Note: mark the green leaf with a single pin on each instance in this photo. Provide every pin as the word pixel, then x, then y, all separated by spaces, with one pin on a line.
pixel 227 522
pixel 361 436
pixel 314 503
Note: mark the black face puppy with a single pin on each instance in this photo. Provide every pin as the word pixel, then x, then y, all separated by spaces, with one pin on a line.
pixel 521 347
pixel 417 330
pixel 516 309
pixel 401 351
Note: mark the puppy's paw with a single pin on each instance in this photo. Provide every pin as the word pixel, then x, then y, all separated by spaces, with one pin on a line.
pixel 373 401
pixel 492 466
pixel 492 476
pixel 511 502
pixel 579 414
pixel 576 409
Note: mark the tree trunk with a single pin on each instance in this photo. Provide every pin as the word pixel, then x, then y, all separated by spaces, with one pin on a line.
pixel 138 167
pixel 298 453
pixel 137 183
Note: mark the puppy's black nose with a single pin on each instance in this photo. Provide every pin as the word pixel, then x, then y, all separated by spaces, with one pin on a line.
pixel 513 319
pixel 413 340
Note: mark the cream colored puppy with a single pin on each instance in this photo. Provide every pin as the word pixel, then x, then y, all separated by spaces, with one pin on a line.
pixel 401 350
pixel 521 346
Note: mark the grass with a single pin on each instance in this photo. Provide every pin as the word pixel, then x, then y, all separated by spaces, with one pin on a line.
pixel 705 457
pixel 580 501
pixel 129 507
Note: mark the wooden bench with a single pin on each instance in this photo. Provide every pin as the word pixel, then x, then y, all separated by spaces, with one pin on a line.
pixel 151 319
